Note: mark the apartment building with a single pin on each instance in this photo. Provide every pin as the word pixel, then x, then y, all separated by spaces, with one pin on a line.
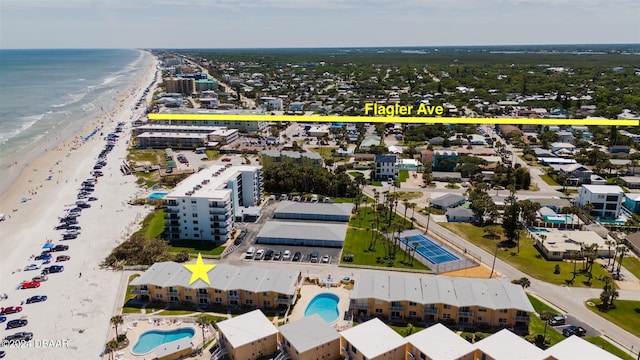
pixel 290 157
pixel 248 336
pixel 206 205
pixel 232 286
pixel 242 125
pixel 373 340
pixel 310 338
pixel 180 85
pixel 488 302
pixel 605 199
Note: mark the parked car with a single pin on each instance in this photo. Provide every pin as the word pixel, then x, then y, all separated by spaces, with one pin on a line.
pixel 60 247
pixel 3 319
pixel 10 310
pixel 43 256
pixel 225 159
pixel 286 255
pixel 558 319
pixel 16 323
pixel 29 284
pixel 37 298
pixel 54 269
pixel 277 255
pixel 314 256
pixel 92 198
pixel 40 278
pixel 574 330
pixel 297 256
pixel 63 258
pixel 268 255
pixel 20 336
pixel 69 236
pixel 259 254
pixel 32 267
pixel 325 259
pixel 2 354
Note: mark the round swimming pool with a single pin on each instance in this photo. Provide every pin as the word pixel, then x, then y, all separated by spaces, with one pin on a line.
pixel 151 339
pixel 325 305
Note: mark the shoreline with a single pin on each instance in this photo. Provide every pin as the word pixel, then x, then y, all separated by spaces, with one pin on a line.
pixel 78 307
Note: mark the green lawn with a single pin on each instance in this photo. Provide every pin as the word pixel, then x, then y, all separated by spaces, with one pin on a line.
pixel 196 247
pixel 536 326
pixel 403 175
pixel 357 243
pixel 549 180
pixel 213 154
pixel 607 346
pixel 405 331
pixel 355 174
pixel 632 264
pixel 325 151
pixel 540 306
pixel 529 259
pixel 408 195
pixel 176 312
pixel 152 156
pixel 626 314
pixel 128 296
pixel 365 219
pixel 154 225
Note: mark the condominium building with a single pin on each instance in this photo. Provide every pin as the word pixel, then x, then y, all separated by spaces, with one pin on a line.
pixel 232 286
pixel 248 336
pixel 180 85
pixel 488 302
pixel 373 340
pixel 206 205
pixel 310 338
pixel 242 125
pixel 605 199
pixel 182 136
pixel 290 157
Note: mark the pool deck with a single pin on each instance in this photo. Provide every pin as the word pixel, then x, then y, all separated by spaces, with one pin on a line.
pixel 135 325
pixel 308 292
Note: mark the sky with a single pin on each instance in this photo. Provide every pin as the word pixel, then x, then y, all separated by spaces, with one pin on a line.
pixel 313 23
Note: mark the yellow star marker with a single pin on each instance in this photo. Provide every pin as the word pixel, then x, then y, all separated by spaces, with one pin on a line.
pixel 199 270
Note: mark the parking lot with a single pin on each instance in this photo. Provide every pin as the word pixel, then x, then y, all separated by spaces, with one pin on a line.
pixel 572 320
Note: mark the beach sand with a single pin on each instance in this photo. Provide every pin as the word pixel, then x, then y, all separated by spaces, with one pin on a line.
pixel 77 312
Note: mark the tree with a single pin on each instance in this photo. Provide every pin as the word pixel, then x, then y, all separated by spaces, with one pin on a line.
pixel 115 321
pixel 528 211
pixel 111 346
pixel 608 295
pixel 511 220
pixel 524 282
pixel 203 321
pixel 493 231
pixel 546 316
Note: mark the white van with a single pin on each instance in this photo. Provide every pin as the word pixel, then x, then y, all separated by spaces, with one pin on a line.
pixel 250 252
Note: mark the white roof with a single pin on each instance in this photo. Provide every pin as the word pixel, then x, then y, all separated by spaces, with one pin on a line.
pixel 173 347
pixel 504 344
pixel 574 347
pixel 210 183
pixel 308 333
pixel 246 328
pixel 299 230
pixel 604 189
pixel 430 289
pixel 438 342
pixel 374 338
pixel 336 209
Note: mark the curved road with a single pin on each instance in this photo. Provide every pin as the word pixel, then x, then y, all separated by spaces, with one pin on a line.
pixel 569 299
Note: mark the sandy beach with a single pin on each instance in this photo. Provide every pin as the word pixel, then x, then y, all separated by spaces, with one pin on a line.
pixel 82 299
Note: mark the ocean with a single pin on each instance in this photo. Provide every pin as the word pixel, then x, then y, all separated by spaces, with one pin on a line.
pixel 48 94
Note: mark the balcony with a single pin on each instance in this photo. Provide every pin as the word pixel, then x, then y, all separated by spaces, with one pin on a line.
pixel 521 318
pixel 396 307
pixel 170 210
pixel 140 292
pixel 202 295
pixel 233 297
pixel 285 301
pixel 172 292
pixel 431 311
pixel 465 314
pixel 359 306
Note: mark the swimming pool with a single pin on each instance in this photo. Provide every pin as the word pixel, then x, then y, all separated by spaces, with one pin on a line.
pixel 433 252
pixel 325 305
pixel 157 195
pixel 151 339
pixel 538 230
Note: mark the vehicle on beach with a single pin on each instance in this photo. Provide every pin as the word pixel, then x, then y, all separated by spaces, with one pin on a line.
pixel 10 310
pixel 30 284
pixel 36 299
pixel 92 198
pixel 32 267
pixel 43 256
pixel 69 236
pixel 22 336
pixel 3 319
pixel 54 269
pixel 16 323
pixel 40 278
pixel 63 258
pixel 60 247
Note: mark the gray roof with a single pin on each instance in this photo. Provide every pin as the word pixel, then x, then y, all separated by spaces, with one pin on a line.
pixel 447 200
pixel 545 211
pixel 223 277
pixel 304 230
pixel 308 333
pixel 630 179
pixel 246 328
pixel 557 202
pixel 459 211
pixel 335 209
pixel 489 293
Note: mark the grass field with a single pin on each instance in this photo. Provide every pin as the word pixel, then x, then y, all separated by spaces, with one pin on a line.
pixel 403 175
pixel 148 156
pixel 197 247
pixel 128 296
pixel 366 219
pixel 326 152
pixel 626 314
pixel 549 180
pixel 357 243
pixel 529 259
pixel 540 306
pixel 633 265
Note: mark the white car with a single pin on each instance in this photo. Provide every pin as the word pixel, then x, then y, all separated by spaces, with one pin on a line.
pixel 286 255
pixel 325 259
pixel 32 267
pixel 259 254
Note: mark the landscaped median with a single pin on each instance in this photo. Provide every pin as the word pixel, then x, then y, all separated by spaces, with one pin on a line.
pixel 625 313
pixel 528 259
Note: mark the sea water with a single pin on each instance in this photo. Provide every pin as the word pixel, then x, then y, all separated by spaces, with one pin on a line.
pixel 45 94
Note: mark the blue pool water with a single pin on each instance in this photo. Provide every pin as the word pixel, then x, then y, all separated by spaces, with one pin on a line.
pixel 325 305
pixel 156 195
pixel 538 230
pixel 151 339
pixel 431 251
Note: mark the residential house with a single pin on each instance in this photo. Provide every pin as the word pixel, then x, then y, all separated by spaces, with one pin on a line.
pixel 555 204
pixel 576 173
pixel 459 214
pixel 568 244
pixel 489 302
pixel 373 340
pixel 631 182
pixel 632 202
pixel 386 167
pixel 444 160
pixel 446 201
pixel 565 137
pixel 369 142
pixel 232 286
pixel 436 141
pixel 310 338
pixel 619 151
pixel 562 149
pixel 606 200
pixel 248 336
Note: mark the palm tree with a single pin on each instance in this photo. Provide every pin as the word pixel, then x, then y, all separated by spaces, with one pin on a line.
pixel 203 321
pixel 546 316
pixel 115 321
pixel 413 211
pixel 112 345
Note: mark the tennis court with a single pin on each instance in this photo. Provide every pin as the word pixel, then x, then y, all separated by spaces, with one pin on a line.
pixel 429 249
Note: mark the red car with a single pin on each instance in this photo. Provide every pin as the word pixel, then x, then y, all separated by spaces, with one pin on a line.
pixel 226 159
pixel 30 284
pixel 10 310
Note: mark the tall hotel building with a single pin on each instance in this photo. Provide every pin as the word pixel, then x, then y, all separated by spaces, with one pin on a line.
pixel 206 205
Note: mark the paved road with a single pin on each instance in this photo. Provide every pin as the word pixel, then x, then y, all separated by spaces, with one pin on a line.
pixel 568 299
